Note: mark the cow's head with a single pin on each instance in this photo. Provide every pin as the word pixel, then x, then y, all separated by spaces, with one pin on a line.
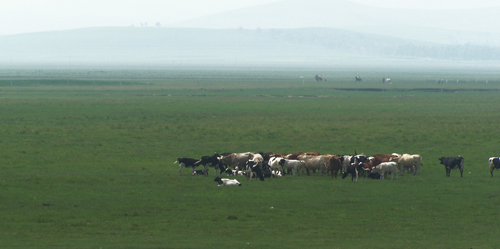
pixel 282 162
pixel 345 174
pixel 217 179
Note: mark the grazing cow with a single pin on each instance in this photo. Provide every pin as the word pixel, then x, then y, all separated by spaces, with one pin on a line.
pixel 226 182
pixel 354 171
pixel 453 163
pixel 318 77
pixel 333 165
pixel 408 162
pixel 211 161
pixel 314 162
pixel 237 159
pixel 386 167
pixel 294 165
pixel 494 164
pixel 358 78
pixel 253 166
pixel 186 162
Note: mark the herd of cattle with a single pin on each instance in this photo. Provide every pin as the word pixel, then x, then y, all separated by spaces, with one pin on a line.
pixel 264 165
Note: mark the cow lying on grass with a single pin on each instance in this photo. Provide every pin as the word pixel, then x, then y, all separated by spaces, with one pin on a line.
pixel 226 182
pixel 199 172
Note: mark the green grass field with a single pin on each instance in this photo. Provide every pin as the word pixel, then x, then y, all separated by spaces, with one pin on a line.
pixel 87 159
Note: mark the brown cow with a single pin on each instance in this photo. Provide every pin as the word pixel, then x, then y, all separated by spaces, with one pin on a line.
pixel 333 165
pixel 378 159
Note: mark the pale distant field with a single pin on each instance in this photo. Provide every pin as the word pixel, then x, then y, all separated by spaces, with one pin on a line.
pixel 87 159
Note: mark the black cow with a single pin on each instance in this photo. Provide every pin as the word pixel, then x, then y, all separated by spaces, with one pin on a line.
pixel 453 163
pixel 373 175
pixel 494 164
pixel 211 161
pixel 186 162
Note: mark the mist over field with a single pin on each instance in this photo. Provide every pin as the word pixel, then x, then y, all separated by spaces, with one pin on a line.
pixel 290 33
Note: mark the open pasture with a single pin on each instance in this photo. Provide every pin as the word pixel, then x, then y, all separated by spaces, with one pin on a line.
pixel 86 159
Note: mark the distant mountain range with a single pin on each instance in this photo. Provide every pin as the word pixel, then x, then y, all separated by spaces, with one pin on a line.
pixel 286 33
pixel 184 46
pixel 452 26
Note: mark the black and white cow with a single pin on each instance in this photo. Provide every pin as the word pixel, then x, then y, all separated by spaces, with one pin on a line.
pixel 253 166
pixel 200 172
pixel 211 161
pixel 494 164
pixel 354 170
pixel 226 182
pixel 187 163
pixel 453 163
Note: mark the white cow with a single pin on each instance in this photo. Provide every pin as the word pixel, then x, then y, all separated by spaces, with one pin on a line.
pixel 276 163
pixel 384 167
pixel 258 159
pixel 294 165
pixel 345 162
pixel 408 162
pixel 226 182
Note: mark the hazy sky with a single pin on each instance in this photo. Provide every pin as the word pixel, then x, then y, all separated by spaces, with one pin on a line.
pixel 22 16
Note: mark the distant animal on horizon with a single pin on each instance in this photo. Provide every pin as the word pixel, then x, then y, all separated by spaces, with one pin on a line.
pixel 386 80
pixel 358 78
pixel 318 77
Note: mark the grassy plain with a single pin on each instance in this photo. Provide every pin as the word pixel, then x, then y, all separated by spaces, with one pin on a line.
pixel 86 159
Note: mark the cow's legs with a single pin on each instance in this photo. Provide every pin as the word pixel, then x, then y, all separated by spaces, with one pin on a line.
pixel 461 172
pixel 180 167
